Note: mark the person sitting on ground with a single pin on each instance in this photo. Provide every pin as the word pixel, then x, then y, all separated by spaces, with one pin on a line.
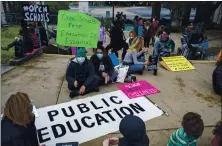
pixel 132 35
pixel 147 33
pixel 217 78
pixel 18 123
pixel 22 46
pixel 133 130
pixel 217 139
pixel 81 76
pixel 104 68
pixel 131 58
pixel 193 128
pixel 164 45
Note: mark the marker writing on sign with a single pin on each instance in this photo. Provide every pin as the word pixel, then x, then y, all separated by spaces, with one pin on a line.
pixel 157 106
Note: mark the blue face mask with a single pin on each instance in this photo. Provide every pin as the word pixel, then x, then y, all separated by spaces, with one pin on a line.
pixel 100 56
pixel 80 59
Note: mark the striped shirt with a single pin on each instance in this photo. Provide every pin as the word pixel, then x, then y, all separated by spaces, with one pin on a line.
pixel 180 138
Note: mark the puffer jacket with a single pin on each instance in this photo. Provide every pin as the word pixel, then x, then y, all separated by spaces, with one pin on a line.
pixel 217 79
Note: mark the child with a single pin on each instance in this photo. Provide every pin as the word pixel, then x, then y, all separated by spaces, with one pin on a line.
pixel 217 140
pixel 133 130
pixel 193 127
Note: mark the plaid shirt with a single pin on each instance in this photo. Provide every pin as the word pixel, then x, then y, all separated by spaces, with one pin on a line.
pixel 35 40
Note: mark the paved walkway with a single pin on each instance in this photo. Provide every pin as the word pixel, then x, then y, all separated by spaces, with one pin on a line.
pixel 43 79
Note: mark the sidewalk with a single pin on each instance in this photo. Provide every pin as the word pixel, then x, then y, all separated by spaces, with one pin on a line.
pixel 43 79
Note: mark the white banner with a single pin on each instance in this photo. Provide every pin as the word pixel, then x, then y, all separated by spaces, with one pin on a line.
pixel 86 119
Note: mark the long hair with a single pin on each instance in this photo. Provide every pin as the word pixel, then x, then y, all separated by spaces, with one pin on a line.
pixel 137 44
pixel 18 109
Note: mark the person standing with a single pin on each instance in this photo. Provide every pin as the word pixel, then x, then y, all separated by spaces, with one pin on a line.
pixel 147 33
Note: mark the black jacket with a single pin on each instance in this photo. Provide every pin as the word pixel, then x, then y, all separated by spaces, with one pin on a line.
pixel 217 80
pixel 15 135
pixel 83 73
pixel 117 38
pixel 108 65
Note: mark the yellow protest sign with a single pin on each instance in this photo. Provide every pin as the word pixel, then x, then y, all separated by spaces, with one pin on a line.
pixel 178 63
pixel 77 29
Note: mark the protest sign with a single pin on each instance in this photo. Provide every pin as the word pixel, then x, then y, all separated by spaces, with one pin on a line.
pixel 36 13
pixel 138 89
pixel 77 29
pixel 86 119
pixel 177 63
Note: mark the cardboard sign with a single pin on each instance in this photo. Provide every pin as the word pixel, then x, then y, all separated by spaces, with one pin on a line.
pixel 36 13
pixel 138 89
pixel 77 29
pixel 178 63
pixel 86 119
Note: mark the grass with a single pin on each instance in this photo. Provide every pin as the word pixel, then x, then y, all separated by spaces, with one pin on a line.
pixel 7 36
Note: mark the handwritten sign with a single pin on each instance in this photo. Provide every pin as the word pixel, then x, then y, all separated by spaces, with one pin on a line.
pixel 138 89
pixel 178 63
pixel 77 29
pixel 36 13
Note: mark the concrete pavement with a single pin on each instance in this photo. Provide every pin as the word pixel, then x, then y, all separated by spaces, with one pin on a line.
pixel 43 79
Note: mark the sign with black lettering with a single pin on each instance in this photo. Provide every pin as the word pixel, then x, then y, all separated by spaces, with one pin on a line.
pixel 36 13
pixel 86 119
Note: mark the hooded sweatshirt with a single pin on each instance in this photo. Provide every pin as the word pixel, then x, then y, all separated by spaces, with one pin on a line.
pixel 134 131
pixel 84 73
pixel 164 48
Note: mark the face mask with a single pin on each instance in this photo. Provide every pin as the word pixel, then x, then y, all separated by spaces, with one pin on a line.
pixel 80 59
pixel 165 36
pixel 100 56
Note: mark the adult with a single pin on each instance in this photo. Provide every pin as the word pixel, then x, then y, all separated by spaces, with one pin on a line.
pixel 117 39
pixel 164 46
pixel 131 58
pixel 104 68
pixel 147 33
pixel 42 33
pixel 135 23
pixel 102 33
pixel 81 76
pixel 217 78
pixel 155 25
pixel 159 31
pixel 18 123
pixel 132 35
pixel 22 45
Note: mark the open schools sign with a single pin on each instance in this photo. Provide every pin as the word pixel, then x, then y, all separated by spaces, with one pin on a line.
pixel 36 13
pixel 77 29
pixel 86 119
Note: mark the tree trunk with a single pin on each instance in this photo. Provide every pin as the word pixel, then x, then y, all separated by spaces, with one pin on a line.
pixel 175 17
pixel 186 15
pixel 205 12
pixel 3 20
pixel 156 8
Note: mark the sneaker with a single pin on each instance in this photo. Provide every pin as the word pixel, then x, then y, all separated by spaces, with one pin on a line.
pixel 4 48
pixel 73 94
pixel 96 89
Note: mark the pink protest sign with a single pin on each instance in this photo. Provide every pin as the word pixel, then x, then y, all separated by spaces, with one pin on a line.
pixel 138 89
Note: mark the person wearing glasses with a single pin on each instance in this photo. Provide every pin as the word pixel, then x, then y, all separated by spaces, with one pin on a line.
pixel 104 68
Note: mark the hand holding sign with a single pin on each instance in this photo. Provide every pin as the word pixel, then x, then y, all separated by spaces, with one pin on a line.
pixel 77 29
